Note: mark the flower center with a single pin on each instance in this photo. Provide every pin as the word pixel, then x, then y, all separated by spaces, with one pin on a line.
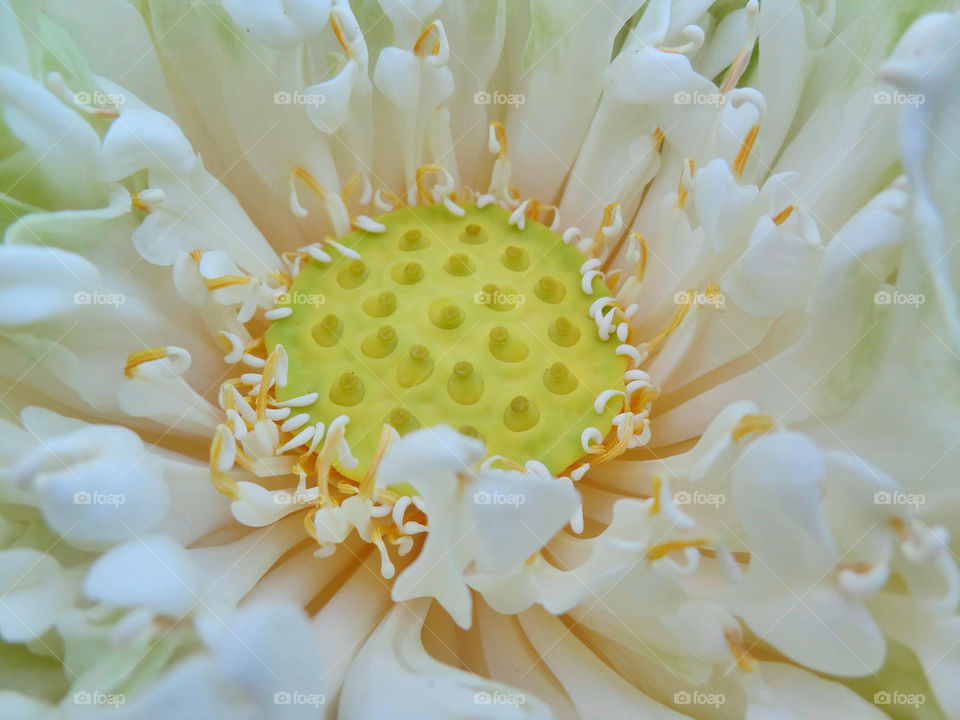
pixel 465 320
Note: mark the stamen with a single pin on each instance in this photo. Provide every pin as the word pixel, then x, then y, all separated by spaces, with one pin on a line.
pixel 387 434
pixel 658 138
pixel 423 195
pixel 222 451
pixel 386 567
pixel 741 160
pixel 686 180
pixel 738 649
pixel 655 494
pixel 748 424
pixel 781 217
pixel 673 324
pixel 659 550
pixel 498 139
pixel 419 46
pixel 742 59
pixel 135 359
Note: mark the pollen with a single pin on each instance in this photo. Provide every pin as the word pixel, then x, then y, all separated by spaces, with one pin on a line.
pixel 467 321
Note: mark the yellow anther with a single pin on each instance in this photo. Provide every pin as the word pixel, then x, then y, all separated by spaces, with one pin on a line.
pixel 611 280
pixel 641 269
pixel 748 424
pixel 309 526
pixel 266 380
pixel 137 202
pixel 223 483
pixel 140 357
pixel 501 134
pixel 419 47
pixel 599 239
pixel 658 138
pixel 227 281
pixel 196 255
pixel 367 484
pixel 613 446
pixel 353 183
pixel 423 196
pixel 741 160
pixel 738 649
pixel 672 325
pixel 310 181
pixel 781 217
pixel 643 397
pixel 659 550
pixel 322 466
pixel 338 32
pixel 655 494
pixel 681 190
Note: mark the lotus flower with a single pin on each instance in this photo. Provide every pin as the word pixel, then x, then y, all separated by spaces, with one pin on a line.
pixel 504 359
